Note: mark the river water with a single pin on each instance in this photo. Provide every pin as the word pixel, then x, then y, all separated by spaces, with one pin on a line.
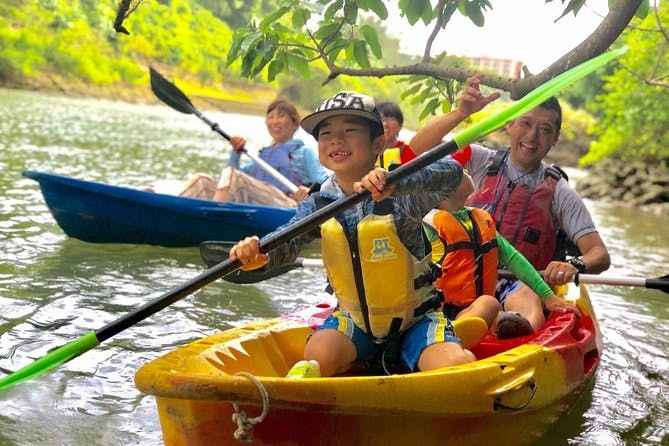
pixel 54 289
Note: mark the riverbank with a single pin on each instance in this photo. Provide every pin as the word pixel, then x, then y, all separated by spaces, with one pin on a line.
pixel 241 98
pixel 630 184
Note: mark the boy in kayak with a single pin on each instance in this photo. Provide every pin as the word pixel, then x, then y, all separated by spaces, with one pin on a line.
pixel 469 249
pixel 375 256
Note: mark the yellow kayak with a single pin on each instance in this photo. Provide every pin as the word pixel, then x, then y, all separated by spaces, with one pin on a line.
pixel 516 389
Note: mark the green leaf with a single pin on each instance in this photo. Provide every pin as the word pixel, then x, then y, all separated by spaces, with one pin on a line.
pixel 266 48
pixel 573 6
pixel 332 10
pixel 300 65
pixel 413 9
pixel 450 8
pixel 372 40
pixel 275 68
pixel 446 106
pixel 644 9
pixel 360 53
pixel 281 28
pixel 235 48
pixel 428 14
pixel 411 91
pixel 250 41
pixel 326 30
pixel 350 14
pixel 299 18
pixel 379 9
pixel 273 17
pixel 429 108
pixel 475 14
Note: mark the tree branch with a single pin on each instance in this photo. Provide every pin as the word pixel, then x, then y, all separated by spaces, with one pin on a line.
pixel 602 38
pixel 435 31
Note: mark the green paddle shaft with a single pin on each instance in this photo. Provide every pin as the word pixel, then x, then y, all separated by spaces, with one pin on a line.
pixel 56 357
pixel 85 343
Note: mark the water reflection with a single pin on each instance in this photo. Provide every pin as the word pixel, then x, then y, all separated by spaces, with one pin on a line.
pixel 54 289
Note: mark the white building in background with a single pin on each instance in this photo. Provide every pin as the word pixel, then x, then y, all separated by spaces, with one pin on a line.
pixel 505 67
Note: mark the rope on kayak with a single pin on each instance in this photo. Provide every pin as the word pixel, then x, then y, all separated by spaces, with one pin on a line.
pixel 245 424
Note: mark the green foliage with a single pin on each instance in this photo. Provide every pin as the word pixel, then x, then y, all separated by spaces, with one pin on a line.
pixel 634 111
pixel 237 13
pixel 582 91
pixel 301 36
pixel 75 38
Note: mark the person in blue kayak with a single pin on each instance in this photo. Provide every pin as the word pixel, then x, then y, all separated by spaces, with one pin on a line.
pixel 532 204
pixel 250 183
pixel 376 260
pixel 469 250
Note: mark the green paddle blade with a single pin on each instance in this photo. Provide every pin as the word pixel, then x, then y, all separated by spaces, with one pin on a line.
pixel 53 359
pixel 536 97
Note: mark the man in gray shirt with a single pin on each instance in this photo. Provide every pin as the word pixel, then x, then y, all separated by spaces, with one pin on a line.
pixel 528 200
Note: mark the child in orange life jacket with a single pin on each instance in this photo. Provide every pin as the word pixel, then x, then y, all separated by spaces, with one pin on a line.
pixel 375 257
pixel 467 246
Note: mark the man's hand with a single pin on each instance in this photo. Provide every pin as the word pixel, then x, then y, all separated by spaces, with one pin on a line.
pixel 554 303
pixel 559 273
pixel 472 100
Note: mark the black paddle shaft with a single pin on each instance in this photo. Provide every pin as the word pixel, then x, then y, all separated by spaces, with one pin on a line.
pixel 288 233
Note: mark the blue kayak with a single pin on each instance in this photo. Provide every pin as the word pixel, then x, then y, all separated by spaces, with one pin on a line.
pixel 102 213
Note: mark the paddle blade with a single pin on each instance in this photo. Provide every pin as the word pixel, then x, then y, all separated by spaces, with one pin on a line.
pixel 167 92
pixel 214 252
pixel 53 359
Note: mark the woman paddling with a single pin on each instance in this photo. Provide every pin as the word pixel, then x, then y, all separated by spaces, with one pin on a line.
pixel 250 183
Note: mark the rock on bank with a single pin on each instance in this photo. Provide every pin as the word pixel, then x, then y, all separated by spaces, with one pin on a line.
pixel 633 184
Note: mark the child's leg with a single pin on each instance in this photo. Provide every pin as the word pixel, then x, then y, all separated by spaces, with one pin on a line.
pixel 430 343
pixel 485 306
pixel 444 354
pixel 337 343
pixel 236 186
pixel 332 349
pixel 525 302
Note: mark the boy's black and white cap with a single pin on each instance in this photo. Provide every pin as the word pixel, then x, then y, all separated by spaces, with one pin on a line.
pixel 344 102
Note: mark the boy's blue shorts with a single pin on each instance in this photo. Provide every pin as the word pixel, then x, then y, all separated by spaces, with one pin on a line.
pixel 430 329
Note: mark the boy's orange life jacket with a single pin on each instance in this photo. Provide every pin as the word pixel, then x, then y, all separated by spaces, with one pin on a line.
pixel 469 263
